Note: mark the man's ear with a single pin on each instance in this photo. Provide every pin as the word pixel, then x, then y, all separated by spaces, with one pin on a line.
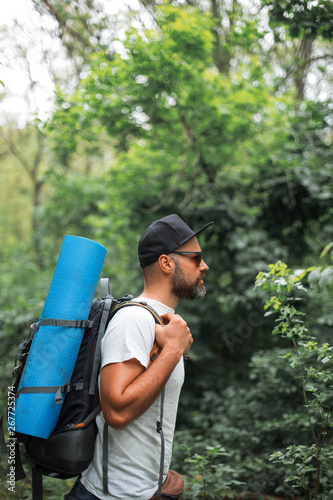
pixel 166 264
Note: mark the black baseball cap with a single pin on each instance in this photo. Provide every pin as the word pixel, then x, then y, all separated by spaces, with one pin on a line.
pixel 163 237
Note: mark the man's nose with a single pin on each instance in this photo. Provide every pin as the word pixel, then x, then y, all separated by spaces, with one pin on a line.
pixel 203 266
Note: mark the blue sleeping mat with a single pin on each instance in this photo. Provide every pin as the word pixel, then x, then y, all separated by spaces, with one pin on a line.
pixel 54 349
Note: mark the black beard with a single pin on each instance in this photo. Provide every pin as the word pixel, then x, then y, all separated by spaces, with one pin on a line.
pixel 184 290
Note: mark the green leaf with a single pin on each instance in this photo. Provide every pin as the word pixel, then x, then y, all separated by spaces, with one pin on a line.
pixel 326 249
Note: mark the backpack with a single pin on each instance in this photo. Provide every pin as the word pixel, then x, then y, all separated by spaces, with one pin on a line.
pixel 69 449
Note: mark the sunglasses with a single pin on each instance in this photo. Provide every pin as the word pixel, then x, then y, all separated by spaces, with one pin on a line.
pixel 197 255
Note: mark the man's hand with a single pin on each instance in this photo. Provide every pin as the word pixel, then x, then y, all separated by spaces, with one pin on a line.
pixel 174 334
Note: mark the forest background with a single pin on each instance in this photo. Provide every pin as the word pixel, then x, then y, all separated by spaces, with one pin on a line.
pixel 215 110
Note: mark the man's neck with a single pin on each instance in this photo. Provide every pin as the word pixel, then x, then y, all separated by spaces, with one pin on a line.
pixel 163 297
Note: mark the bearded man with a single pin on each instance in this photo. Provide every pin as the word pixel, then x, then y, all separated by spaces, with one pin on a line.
pixel 131 386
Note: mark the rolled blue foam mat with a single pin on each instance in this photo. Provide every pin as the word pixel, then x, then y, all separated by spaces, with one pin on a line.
pixel 54 349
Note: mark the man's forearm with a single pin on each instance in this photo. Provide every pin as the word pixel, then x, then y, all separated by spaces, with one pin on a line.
pixel 128 390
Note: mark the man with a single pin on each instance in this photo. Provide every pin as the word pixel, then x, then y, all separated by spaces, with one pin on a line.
pixel 170 256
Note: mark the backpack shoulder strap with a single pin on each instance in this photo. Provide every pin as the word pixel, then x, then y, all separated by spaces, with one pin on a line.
pixel 108 302
pixel 105 287
pixel 156 316
pixel 158 320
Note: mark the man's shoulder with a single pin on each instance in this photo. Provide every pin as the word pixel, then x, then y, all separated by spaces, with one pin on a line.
pixel 137 313
pixel 134 311
pixel 157 306
pixel 130 320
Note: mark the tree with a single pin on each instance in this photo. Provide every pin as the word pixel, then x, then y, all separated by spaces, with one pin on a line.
pixel 23 136
pixel 18 142
pixel 82 26
pixel 308 23
pixel 190 140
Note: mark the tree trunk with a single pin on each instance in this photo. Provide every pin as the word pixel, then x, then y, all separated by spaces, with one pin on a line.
pixel 303 61
pixel 221 54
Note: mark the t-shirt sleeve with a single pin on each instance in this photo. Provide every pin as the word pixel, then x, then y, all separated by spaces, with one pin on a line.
pixel 130 334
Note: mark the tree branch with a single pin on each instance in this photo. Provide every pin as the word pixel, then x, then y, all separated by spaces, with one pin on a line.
pixel 65 27
pixel 305 397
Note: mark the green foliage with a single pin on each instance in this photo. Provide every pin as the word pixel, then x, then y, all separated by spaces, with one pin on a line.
pixel 209 480
pixel 74 207
pixel 167 93
pixel 309 466
pixel 15 200
pixel 52 490
pixel 81 26
pixel 308 19
pixel 250 419
pixel 274 439
pixel 23 291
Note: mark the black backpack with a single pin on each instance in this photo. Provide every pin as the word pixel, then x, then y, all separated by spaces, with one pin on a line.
pixel 69 449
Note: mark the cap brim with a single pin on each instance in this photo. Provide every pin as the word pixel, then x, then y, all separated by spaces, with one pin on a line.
pixel 203 228
pixel 197 233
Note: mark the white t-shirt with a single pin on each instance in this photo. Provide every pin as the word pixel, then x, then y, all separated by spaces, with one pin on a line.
pixel 134 452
